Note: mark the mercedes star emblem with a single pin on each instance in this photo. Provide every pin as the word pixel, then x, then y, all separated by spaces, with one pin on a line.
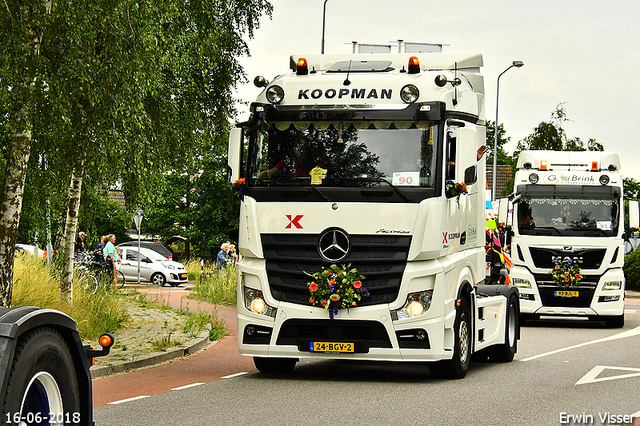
pixel 334 245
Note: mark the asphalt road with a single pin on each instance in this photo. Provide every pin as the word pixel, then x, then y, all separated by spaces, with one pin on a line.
pixel 565 372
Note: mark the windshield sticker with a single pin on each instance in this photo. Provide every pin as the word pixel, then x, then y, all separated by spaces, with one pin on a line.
pixel 406 178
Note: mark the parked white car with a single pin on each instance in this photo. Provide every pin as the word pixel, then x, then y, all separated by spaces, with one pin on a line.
pixel 154 267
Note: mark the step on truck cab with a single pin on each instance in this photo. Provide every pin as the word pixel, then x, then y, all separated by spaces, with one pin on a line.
pixel 568 207
pixel 353 161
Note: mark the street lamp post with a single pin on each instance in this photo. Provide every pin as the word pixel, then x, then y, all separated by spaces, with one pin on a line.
pixel 138 220
pixel 324 12
pixel 516 64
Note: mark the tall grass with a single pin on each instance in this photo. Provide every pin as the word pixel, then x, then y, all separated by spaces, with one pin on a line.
pixel 35 285
pixel 218 286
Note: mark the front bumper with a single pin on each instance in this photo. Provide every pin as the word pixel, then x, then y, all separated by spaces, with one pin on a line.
pixel 540 299
pixel 374 334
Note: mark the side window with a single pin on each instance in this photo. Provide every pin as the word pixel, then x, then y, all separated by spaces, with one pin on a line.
pixel 450 170
pixel 132 255
pixel 471 175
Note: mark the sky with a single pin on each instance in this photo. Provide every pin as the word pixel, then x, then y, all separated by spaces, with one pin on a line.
pixel 581 53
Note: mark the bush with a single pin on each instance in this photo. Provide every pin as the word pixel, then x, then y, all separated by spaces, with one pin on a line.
pixel 35 285
pixel 632 270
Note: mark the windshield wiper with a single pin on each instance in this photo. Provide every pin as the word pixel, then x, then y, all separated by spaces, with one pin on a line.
pixel 320 193
pixel 395 188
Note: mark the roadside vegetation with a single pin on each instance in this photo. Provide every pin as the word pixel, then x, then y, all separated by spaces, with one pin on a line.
pixel 104 312
pixel 217 286
pixel 632 270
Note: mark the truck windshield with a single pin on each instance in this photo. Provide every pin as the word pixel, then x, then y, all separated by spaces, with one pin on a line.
pixel 344 154
pixel 568 216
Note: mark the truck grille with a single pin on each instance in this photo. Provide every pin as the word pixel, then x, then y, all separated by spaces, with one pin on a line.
pixel 380 258
pixel 547 288
pixel 587 259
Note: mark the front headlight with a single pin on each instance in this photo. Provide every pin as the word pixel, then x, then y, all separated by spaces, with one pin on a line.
pixel 254 302
pixel 168 266
pixel 416 305
pixel 612 285
pixel 521 282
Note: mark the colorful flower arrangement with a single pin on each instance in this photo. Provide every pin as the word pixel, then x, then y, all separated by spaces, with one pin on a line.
pixel 336 287
pixel 566 273
pixel 239 186
pixel 454 189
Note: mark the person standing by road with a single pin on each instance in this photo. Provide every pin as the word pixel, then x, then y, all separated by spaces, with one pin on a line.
pixel 80 242
pixel 112 257
pixel 223 256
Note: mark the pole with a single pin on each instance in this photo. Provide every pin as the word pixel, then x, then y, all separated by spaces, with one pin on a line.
pixel 138 220
pixel 324 13
pixel 516 64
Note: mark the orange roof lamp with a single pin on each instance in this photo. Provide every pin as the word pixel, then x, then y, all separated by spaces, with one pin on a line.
pixel 414 65
pixel 594 166
pixel 302 67
pixel 543 166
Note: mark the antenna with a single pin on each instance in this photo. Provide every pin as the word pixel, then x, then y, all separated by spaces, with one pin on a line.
pixel 346 81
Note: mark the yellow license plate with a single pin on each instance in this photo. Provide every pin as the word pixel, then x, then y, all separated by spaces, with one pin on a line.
pixel 183 276
pixel 331 347
pixel 564 293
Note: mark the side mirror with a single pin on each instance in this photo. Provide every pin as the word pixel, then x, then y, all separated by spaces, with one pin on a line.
pixel 503 210
pixel 234 153
pixel 634 214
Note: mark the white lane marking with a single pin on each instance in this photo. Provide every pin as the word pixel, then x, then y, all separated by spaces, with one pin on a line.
pixel 234 375
pixel 135 398
pixel 187 386
pixel 592 376
pixel 624 334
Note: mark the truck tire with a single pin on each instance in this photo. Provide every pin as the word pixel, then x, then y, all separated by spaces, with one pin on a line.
pixel 506 351
pixel 275 365
pixel 42 381
pixel 456 367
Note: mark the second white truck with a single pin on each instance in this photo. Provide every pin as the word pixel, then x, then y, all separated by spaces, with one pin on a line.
pixel 569 210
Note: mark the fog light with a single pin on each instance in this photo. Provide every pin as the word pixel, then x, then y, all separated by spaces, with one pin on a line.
pixel 421 335
pixel 533 178
pixel 251 330
pixel 604 179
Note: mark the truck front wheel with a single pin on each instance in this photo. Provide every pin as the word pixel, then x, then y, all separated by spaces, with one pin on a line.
pixel 456 367
pixel 42 386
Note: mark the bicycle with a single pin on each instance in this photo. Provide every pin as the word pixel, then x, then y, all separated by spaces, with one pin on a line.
pixel 96 273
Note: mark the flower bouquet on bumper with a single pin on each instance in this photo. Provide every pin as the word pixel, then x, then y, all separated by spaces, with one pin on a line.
pixel 566 273
pixel 335 288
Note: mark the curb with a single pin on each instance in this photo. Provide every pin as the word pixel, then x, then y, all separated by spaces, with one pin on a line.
pixel 191 347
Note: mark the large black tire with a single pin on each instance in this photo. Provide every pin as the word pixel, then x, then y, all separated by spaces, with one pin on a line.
pixel 275 365
pixel 158 279
pixel 506 351
pixel 42 381
pixel 456 367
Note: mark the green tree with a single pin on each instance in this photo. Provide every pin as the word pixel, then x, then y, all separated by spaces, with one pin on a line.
pixel 503 156
pixel 631 189
pixel 126 88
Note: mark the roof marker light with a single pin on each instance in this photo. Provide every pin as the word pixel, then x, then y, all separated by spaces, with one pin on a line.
pixel 302 67
pixel 414 65
pixel 594 166
pixel 543 165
